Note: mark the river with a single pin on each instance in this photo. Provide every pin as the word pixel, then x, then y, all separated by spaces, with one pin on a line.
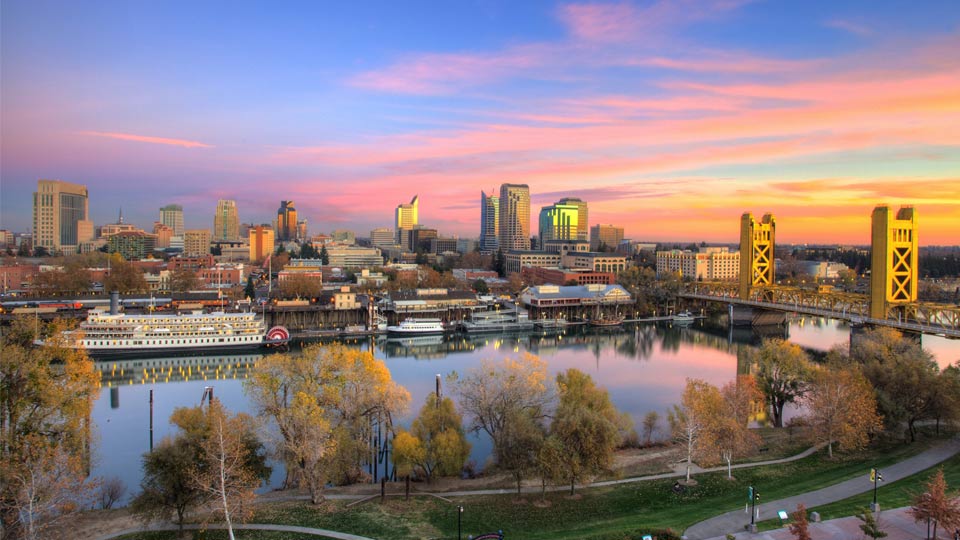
pixel 644 367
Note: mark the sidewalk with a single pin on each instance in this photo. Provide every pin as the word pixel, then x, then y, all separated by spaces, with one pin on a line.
pixel 897 523
pixel 734 522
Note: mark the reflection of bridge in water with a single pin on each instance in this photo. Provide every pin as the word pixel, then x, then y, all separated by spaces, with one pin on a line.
pixel 758 299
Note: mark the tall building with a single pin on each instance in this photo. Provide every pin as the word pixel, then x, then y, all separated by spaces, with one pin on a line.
pixel 514 217
pixel 489 222
pixel 407 218
pixel 559 221
pixel 583 225
pixel 196 242
pixel 132 245
pixel 226 222
pixel 608 236
pixel 163 233
pixel 382 236
pixel 261 242
pixel 171 215
pixel 57 209
pixel 710 264
pixel 287 222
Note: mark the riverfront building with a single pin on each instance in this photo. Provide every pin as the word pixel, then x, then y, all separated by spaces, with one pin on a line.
pixel 707 264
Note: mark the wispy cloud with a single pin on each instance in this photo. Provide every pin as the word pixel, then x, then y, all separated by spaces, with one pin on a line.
pixel 850 27
pixel 147 139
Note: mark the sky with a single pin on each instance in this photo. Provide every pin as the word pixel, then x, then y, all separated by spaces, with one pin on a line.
pixel 670 118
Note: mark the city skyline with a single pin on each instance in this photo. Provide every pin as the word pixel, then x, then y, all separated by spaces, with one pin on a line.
pixel 670 119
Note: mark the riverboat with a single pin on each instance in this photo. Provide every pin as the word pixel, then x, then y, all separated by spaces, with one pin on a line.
pixel 422 327
pixel 105 334
pixel 606 323
pixel 684 318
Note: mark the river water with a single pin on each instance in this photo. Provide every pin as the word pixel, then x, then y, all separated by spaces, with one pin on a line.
pixel 644 367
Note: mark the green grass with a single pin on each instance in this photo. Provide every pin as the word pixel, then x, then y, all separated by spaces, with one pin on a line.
pixel 893 495
pixel 617 512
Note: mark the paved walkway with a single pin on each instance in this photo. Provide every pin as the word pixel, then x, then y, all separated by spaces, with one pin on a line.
pixel 735 521
pixel 323 533
pixel 897 523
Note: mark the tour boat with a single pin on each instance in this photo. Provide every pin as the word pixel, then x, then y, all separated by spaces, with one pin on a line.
pixel 684 317
pixel 417 327
pixel 604 322
pixel 112 334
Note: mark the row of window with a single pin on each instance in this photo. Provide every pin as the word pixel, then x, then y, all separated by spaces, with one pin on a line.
pixel 100 343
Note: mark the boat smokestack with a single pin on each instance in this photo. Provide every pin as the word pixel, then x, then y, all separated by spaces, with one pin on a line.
pixel 114 302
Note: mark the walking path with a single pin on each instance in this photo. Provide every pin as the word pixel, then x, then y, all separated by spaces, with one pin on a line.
pixel 255 526
pixel 897 523
pixel 735 521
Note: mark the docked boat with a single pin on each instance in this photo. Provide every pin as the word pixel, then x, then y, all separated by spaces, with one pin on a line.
pixel 684 317
pixel 116 334
pixel 551 323
pixel 421 327
pixel 508 320
pixel 606 323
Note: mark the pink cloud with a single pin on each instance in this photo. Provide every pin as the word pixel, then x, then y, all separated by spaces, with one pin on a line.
pixel 849 27
pixel 147 139
pixel 602 22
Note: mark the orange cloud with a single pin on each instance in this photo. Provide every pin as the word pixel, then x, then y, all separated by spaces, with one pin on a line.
pixel 147 139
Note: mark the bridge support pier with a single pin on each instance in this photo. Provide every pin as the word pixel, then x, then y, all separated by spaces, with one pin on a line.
pixel 752 316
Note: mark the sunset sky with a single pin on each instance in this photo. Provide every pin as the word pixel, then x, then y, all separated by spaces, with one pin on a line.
pixel 669 118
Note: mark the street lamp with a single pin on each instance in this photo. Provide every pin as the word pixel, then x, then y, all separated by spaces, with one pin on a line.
pixel 459 516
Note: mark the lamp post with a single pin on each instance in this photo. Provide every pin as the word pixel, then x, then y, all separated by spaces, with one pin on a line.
pixel 459 516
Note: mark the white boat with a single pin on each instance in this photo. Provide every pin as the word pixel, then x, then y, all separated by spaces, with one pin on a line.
pixel 684 317
pixel 106 334
pixel 421 327
pixel 551 323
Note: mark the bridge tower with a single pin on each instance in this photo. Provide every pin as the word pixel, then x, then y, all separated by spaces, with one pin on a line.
pixel 757 239
pixel 893 259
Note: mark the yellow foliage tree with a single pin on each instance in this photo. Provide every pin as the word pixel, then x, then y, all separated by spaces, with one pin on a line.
pixel 843 409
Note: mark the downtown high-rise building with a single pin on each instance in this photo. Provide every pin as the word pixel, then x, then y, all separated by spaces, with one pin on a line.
pixel 605 236
pixel 406 218
pixel 382 237
pixel 514 217
pixel 226 222
pixel 583 226
pixel 261 242
pixel 489 222
pixel 60 211
pixel 171 215
pixel 560 221
pixel 287 222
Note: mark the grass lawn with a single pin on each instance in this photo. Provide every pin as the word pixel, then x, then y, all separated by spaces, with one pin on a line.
pixel 618 512
pixel 894 495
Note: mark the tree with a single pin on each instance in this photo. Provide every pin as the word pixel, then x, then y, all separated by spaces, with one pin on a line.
pixel 439 427
pixel 730 430
pixel 782 369
pixel 586 424
pixel 870 526
pixel 301 287
pixel 183 280
pixel 250 290
pixel 324 256
pixel 500 263
pixel 936 504
pixel 495 394
pixel 72 278
pixel 481 286
pixel 323 401
pixel 46 398
pixel 843 409
pixel 686 422
pixel 905 376
pixel 800 528
pixel 224 472
pixel 124 276
pixel 523 436
pixel 307 251
pixel 515 282
pixel 650 422
pixel 167 488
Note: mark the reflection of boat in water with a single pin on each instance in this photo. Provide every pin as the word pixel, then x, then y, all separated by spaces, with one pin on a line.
pixel 684 318
pixel 606 323
pixel 105 334
pixel 421 327
pixel 169 368
pixel 410 340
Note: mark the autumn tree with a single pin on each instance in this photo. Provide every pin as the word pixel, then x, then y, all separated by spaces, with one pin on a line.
pixel 937 505
pixel 800 528
pixel 167 489
pixel 687 419
pixel 843 409
pixel 72 278
pixel 323 400
pixel 46 398
pixel 523 435
pixel 436 443
pixel 183 280
pixel 124 276
pixel 650 422
pixel 224 472
pixel 587 426
pixel 730 430
pixel 782 370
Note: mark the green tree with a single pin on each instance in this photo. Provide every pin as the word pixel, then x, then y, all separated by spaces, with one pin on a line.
pixel 167 489
pixel 250 290
pixel 46 398
pixel 481 286
pixel 439 427
pixel 782 371
pixel 324 256
pixel 523 436
pixel 870 527
pixel 586 424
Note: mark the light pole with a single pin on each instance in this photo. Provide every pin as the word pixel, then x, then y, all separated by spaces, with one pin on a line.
pixel 459 516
